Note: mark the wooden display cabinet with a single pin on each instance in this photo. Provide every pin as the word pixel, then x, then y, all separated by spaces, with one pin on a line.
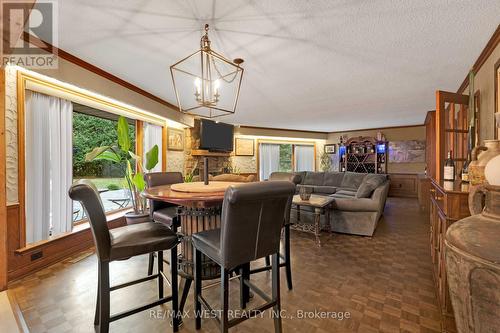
pixel 448 204
pixel 364 155
pixel 451 127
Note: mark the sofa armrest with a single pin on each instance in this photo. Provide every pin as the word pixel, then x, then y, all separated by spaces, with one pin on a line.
pixel 380 195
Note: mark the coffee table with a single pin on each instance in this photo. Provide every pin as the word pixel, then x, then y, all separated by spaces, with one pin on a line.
pixel 321 206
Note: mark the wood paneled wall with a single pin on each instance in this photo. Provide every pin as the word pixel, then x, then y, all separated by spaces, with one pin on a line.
pixel 34 257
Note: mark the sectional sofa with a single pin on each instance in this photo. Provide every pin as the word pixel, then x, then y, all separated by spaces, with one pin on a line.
pixel 359 198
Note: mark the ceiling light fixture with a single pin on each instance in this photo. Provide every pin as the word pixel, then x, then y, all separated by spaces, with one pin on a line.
pixel 207 84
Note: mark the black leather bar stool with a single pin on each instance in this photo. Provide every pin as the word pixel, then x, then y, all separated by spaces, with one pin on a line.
pixel 123 243
pixel 285 257
pixel 160 211
pixel 251 222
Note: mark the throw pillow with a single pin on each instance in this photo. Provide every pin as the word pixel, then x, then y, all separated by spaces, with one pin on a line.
pixel 369 185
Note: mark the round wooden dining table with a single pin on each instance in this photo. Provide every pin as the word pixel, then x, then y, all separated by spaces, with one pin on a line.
pixel 199 209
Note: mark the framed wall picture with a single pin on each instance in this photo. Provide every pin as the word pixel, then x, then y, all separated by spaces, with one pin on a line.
pixel 175 139
pixel 330 148
pixel 244 147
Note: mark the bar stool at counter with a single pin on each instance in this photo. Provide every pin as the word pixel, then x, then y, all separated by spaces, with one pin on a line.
pixel 121 244
pixel 252 219
pixel 160 211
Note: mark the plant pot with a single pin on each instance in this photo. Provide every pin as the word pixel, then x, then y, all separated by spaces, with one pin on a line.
pixel 133 218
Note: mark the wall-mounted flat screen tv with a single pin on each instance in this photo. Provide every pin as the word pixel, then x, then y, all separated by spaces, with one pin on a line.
pixel 216 136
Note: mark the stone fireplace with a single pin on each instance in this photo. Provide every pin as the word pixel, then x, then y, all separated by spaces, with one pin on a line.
pixel 218 163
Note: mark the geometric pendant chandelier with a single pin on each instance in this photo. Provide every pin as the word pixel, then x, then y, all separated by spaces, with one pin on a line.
pixel 206 83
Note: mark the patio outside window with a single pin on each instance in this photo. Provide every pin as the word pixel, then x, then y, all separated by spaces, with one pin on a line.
pixel 93 128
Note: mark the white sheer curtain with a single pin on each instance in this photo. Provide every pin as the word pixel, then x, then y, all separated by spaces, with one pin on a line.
pixel 153 136
pixel 49 165
pixel 269 159
pixel 304 158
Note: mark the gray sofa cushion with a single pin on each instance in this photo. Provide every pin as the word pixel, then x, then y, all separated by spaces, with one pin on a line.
pixel 324 189
pixel 365 190
pixel 302 175
pixel 377 178
pixel 349 193
pixel 337 195
pixel 333 178
pixel 314 178
pixel 352 180
pixel 370 183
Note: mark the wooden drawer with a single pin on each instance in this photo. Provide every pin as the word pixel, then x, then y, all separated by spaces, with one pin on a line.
pixel 403 185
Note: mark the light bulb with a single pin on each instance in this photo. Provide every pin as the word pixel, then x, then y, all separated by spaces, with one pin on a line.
pixel 216 86
pixel 197 84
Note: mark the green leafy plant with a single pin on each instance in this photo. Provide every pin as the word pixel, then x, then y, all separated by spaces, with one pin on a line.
pixel 113 187
pixel 232 169
pixel 121 154
pixel 188 178
pixel 326 162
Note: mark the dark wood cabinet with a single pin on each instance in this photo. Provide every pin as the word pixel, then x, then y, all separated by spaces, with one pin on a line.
pixel 424 192
pixel 448 204
pixel 403 185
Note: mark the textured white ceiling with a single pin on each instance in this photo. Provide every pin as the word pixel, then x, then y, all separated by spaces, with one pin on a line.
pixel 314 65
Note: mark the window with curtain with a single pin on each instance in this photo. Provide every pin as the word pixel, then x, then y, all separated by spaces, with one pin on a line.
pixel 284 157
pixel 269 159
pixel 153 136
pixel 304 158
pixel 48 137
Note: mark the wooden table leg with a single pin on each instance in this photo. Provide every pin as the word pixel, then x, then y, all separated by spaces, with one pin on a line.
pixel 317 226
pixel 327 220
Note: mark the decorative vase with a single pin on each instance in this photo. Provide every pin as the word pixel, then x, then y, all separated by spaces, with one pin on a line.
pixel 473 263
pixel 133 218
pixel 305 192
pixel 492 171
pixel 491 149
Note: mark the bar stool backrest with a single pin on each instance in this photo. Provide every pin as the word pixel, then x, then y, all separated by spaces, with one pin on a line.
pixel 86 193
pixel 162 178
pixel 291 177
pixel 252 218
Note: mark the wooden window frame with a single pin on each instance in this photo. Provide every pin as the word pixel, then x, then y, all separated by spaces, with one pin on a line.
pixel 284 142
pixel 23 80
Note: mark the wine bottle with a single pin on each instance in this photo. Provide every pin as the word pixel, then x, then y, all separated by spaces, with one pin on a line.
pixel 465 170
pixel 449 168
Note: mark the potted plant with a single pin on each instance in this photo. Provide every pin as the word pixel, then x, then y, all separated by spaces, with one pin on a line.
pixel 121 154
pixel 325 162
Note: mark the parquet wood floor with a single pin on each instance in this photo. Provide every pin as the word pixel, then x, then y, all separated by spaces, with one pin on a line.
pixel 384 283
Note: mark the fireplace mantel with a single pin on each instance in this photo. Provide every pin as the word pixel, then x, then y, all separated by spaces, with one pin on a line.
pixel 201 152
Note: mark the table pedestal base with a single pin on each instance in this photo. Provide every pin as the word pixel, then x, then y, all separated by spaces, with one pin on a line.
pixel 314 228
pixel 194 220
